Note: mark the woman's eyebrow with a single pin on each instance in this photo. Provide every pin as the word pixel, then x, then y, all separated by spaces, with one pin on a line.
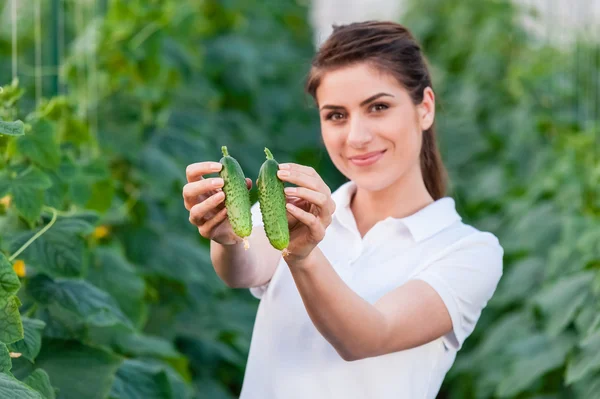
pixel 368 100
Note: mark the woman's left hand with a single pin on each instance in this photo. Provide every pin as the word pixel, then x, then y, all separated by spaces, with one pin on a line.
pixel 310 209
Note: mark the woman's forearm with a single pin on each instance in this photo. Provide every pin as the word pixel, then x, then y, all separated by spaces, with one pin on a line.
pixel 236 266
pixel 352 325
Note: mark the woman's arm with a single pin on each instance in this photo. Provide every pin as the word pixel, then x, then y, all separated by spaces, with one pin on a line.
pixel 240 268
pixel 411 315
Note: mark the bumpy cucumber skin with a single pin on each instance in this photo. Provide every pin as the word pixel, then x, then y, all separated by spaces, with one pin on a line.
pixel 237 196
pixel 271 198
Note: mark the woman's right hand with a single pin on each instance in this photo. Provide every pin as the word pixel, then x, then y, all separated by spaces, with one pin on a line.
pixel 204 198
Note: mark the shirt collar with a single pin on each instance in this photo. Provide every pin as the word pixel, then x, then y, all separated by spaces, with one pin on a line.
pixel 422 224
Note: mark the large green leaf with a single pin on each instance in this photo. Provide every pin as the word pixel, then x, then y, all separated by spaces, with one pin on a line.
pixel 79 297
pixel 60 251
pixel 30 345
pixel 137 380
pixel 40 381
pixel 586 361
pixel 27 189
pixel 11 328
pixel 77 370
pixel 12 388
pixel 5 362
pixel 537 355
pixel 111 272
pixel 137 345
pixel 41 145
pixel 9 281
pixel 192 260
pixel 561 300
pixel 520 280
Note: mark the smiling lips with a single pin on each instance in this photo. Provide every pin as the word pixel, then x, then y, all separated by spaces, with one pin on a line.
pixel 367 159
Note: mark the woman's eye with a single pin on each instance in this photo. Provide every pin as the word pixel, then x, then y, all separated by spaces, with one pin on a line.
pixel 379 107
pixel 334 116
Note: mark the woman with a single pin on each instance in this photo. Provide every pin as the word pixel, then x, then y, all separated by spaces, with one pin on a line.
pixel 384 281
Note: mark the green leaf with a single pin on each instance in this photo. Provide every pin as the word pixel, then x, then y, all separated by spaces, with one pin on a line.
pixel 12 128
pixel 12 388
pixel 192 260
pixel 40 144
pixel 77 370
pixel 518 283
pixel 60 251
pixel 9 281
pixel 111 272
pixel 40 381
pixel 561 301
pixel 5 361
pixel 534 357
pixel 28 193
pixel 77 302
pixel 30 345
pixel 101 196
pixel 136 345
pixel 586 361
pixel 138 380
pixel 11 328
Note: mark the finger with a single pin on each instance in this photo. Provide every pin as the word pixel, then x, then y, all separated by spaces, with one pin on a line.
pixel 193 190
pixel 249 183
pixel 301 179
pixel 307 170
pixel 315 197
pixel 207 228
pixel 307 218
pixel 196 171
pixel 199 212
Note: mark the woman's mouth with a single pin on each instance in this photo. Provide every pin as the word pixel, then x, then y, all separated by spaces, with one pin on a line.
pixel 367 159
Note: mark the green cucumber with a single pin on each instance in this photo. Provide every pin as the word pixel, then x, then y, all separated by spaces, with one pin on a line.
pixel 271 198
pixel 237 196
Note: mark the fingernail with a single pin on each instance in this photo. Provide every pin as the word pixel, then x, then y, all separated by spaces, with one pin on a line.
pixel 215 166
pixel 283 173
pixel 290 190
pixel 217 181
pixel 284 166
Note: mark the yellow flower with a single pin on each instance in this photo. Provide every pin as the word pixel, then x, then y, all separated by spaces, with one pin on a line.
pixel 19 268
pixel 101 232
pixel 6 200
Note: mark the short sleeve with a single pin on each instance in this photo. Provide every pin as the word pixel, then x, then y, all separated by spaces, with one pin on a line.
pixel 465 277
pixel 257 292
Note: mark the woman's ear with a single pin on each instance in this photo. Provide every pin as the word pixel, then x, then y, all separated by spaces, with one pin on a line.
pixel 426 109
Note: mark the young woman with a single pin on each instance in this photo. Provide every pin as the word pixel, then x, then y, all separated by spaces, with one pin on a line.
pixel 384 281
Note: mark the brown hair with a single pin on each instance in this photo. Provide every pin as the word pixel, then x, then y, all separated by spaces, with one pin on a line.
pixel 391 48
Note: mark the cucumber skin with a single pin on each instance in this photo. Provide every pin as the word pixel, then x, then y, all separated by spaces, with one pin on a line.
pixel 272 202
pixel 237 196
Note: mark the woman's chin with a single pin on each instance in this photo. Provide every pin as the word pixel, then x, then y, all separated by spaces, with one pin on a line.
pixel 370 182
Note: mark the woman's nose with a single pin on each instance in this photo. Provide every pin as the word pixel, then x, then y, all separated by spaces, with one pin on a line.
pixel 359 134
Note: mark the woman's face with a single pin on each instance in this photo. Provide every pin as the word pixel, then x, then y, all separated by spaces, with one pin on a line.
pixel 365 112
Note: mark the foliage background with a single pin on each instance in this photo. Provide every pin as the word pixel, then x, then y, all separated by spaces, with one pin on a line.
pixel 118 298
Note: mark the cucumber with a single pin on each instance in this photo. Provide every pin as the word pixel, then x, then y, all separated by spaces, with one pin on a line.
pixel 271 198
pixel 237 196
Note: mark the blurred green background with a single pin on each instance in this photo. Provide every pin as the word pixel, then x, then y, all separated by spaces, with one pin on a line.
pixel 118 298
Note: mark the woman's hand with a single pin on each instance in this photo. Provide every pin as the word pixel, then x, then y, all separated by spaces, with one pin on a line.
pixel 310 209
pixel 204 198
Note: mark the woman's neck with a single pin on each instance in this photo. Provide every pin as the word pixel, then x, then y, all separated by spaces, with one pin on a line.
pixel 402 198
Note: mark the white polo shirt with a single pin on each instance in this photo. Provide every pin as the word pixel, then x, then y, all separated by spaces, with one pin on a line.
pixel 290 359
